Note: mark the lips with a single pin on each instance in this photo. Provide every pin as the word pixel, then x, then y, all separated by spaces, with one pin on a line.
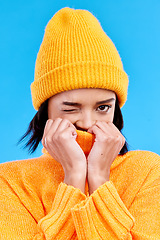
pixel 85 140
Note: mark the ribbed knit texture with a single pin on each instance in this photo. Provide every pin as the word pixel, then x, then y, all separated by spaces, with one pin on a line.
pixel 36 204
pixel 76 53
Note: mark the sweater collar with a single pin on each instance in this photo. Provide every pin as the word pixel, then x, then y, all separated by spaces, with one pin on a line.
pixel 86 141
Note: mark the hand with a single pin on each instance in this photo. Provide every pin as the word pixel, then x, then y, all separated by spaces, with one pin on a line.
pixel 108 143
pixel 59 140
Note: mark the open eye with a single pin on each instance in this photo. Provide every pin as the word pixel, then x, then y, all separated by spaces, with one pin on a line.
pixel 104 108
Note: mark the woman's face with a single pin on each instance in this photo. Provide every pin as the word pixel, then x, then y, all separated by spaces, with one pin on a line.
pixel 83 107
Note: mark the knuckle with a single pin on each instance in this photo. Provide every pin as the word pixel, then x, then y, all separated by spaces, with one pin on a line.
pixel 60 137
pixel 123 140
pixel 111 139
pixel 98 122
pixel 49 140
pixel 49 121
pixel 65 120
pixel 43 142
pixel 48 124
pixel 63 136
pixel 58 119
pixel 55 137
pixel 108 138
pixel 94 127
pixel 117 139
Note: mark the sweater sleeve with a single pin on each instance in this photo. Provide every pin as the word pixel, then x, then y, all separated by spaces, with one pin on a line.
pixel 103 216
pixel 18 222
pixel 58 224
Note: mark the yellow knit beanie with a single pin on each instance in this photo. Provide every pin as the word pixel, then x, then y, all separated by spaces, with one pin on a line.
pixel 76 53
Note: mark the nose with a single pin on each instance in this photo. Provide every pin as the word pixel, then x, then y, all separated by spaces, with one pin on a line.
pixel 85 121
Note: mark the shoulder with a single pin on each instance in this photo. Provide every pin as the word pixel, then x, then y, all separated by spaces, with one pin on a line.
pixel 31 181
pixel 40 167
pixel 142 163
pixel 136 169
pixel 142 157
pixel 147 167
pixel 137 162
pixel 36 177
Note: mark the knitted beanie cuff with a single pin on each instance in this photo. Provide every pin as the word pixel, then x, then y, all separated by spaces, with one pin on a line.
pixel 79 75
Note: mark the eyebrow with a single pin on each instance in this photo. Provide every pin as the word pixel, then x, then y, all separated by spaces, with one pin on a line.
pixel 78 104
pixel 106 101
pixel 72 104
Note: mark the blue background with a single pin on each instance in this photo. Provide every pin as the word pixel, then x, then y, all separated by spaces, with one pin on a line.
pixel 133 26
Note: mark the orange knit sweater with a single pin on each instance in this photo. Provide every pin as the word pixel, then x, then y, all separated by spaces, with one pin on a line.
pixel 36 204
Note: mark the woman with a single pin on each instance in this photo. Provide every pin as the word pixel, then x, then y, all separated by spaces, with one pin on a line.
pixel 86 185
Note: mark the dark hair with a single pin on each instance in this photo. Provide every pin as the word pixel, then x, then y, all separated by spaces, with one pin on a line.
pixel 118 122
pixel 36 127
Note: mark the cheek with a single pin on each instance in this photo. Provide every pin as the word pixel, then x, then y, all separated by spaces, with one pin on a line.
pixel 106 117
pixel 58 114
pixel 71 117
pixel 53 114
